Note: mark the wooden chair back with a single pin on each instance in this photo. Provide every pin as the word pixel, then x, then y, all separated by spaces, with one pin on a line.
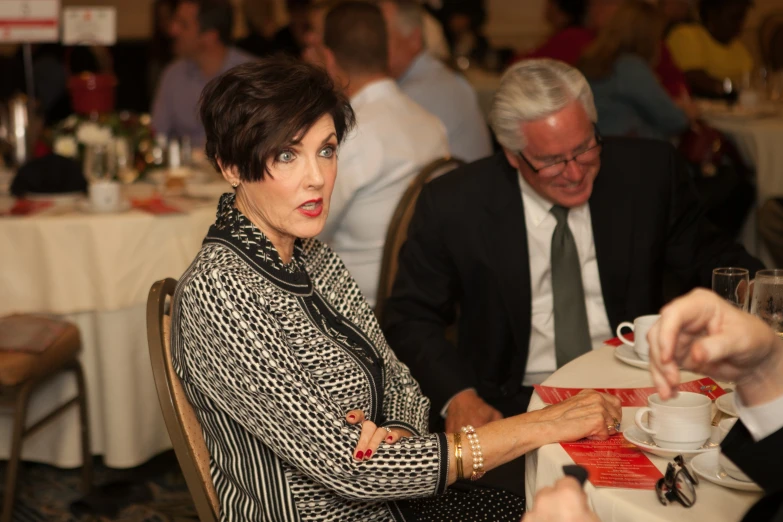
pixel 181 421
pixel 397 232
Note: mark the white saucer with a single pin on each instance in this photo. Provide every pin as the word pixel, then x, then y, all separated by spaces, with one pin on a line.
pixel 706 466
pixel 85 206
pixel 725 403
pixel 645 443
pixel 626 354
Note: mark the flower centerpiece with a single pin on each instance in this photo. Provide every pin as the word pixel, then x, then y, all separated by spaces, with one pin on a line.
pixel 125 139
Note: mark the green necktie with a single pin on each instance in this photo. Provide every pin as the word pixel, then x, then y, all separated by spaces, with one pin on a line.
pixel 572 333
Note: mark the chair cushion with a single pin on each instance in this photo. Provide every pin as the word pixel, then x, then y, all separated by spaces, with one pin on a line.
pixel 17 366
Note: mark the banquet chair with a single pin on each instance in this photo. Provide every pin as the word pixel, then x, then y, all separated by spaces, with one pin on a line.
pixel 181 422
pixel 33 350
pixel 397 232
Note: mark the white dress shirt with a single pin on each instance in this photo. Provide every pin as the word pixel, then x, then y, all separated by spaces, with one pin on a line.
pixel 541 361
pixel 452 99
pixel 393 140
pixel 763 420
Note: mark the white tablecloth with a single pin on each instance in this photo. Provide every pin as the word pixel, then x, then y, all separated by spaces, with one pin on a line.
pixel 544 467
pixel 96 270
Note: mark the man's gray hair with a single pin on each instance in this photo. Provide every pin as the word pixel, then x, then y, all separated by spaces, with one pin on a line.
pixel 410 16
pixel 532 90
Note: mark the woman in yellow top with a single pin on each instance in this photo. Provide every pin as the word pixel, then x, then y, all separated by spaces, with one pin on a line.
pixel 710 52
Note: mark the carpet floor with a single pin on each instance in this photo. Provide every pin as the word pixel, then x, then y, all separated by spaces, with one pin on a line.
pixel 152 492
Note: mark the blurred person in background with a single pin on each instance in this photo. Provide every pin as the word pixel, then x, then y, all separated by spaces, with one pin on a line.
pixel 393 140
pixel 433 85
pixel 619 65
pixel 201 32
pixel 569 35
pixel 677 12
pixel 161 50
pixel 260 21
pixel 711 52
pixel 291 38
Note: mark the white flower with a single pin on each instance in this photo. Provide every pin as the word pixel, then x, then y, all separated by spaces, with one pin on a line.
pixel 91 133
pixel 66 146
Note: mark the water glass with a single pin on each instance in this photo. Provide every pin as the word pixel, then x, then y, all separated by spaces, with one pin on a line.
pixel 732 285
pixel 99 163
pixel 767 302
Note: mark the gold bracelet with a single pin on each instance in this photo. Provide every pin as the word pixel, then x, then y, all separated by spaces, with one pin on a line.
pixel 458 455
pixel 475 447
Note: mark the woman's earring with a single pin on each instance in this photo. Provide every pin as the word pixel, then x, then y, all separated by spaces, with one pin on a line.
pixel 235 184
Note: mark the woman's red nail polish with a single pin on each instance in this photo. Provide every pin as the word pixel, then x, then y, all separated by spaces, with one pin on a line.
pixel 351 417
pixel 389 438
pixel 368 454
pixel 360 455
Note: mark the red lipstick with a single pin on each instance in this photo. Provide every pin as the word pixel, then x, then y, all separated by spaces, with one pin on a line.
pixel 312 208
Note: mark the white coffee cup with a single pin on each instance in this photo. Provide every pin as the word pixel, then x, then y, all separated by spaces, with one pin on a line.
pixel 640 326
pixel 681 423
pixel 728 466
pixel 104 195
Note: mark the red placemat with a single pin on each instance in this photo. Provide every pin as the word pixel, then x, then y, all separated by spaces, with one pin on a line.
pixel 615 341
pixel 27 207
pixel 630 397
pixel 614 463
pixel 155 206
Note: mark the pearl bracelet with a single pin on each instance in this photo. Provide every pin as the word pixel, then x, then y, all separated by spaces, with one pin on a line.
pixel 475 446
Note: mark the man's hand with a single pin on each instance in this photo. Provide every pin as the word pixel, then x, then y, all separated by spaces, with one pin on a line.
pixel 468 408
pixel 563 502
pixel 705 334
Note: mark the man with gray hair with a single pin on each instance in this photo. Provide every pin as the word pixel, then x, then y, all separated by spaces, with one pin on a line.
pixel 431 84
pixel 539 252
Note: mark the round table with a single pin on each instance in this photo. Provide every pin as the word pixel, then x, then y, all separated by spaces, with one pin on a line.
pixel 96 271
pixel 599 369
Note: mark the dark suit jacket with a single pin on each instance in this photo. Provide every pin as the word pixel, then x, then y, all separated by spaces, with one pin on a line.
pixel 467 249
pixel 761 461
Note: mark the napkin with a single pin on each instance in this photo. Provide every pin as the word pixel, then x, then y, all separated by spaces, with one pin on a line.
pixel 155 205
pixel 26 207
pixel 50 174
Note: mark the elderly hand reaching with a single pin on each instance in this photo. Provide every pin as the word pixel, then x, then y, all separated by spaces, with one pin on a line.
pixel 563 502
pixel 372 435
pixel 703 333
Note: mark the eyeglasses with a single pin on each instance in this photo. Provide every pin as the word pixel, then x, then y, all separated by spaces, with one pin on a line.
pixel 677 484
pixel 587 158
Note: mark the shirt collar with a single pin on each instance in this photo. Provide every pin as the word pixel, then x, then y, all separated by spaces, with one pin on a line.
pixel 418 63
pixel 537 207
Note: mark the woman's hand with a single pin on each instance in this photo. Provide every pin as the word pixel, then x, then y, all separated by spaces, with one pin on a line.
pixel 587 414
pixel 372 435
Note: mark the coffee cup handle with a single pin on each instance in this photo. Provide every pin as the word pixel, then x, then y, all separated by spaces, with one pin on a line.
pixel 620 332
pixel 639 414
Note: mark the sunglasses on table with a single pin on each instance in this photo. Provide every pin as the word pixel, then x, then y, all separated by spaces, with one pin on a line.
pixel 586 158
pixel 677 485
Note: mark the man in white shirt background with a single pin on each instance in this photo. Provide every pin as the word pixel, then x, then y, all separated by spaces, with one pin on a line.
pixel 393 140
pixel 431 84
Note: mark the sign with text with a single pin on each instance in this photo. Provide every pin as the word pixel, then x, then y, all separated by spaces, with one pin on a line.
pixel 29 20
pixel 614 463
pixel 89 26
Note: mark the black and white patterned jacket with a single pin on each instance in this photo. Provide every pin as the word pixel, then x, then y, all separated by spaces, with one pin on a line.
pixel 272 357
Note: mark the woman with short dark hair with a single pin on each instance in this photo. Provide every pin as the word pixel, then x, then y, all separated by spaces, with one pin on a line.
pixel 306 412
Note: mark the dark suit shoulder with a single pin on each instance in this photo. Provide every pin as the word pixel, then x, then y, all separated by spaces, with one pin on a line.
pixel 472 184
